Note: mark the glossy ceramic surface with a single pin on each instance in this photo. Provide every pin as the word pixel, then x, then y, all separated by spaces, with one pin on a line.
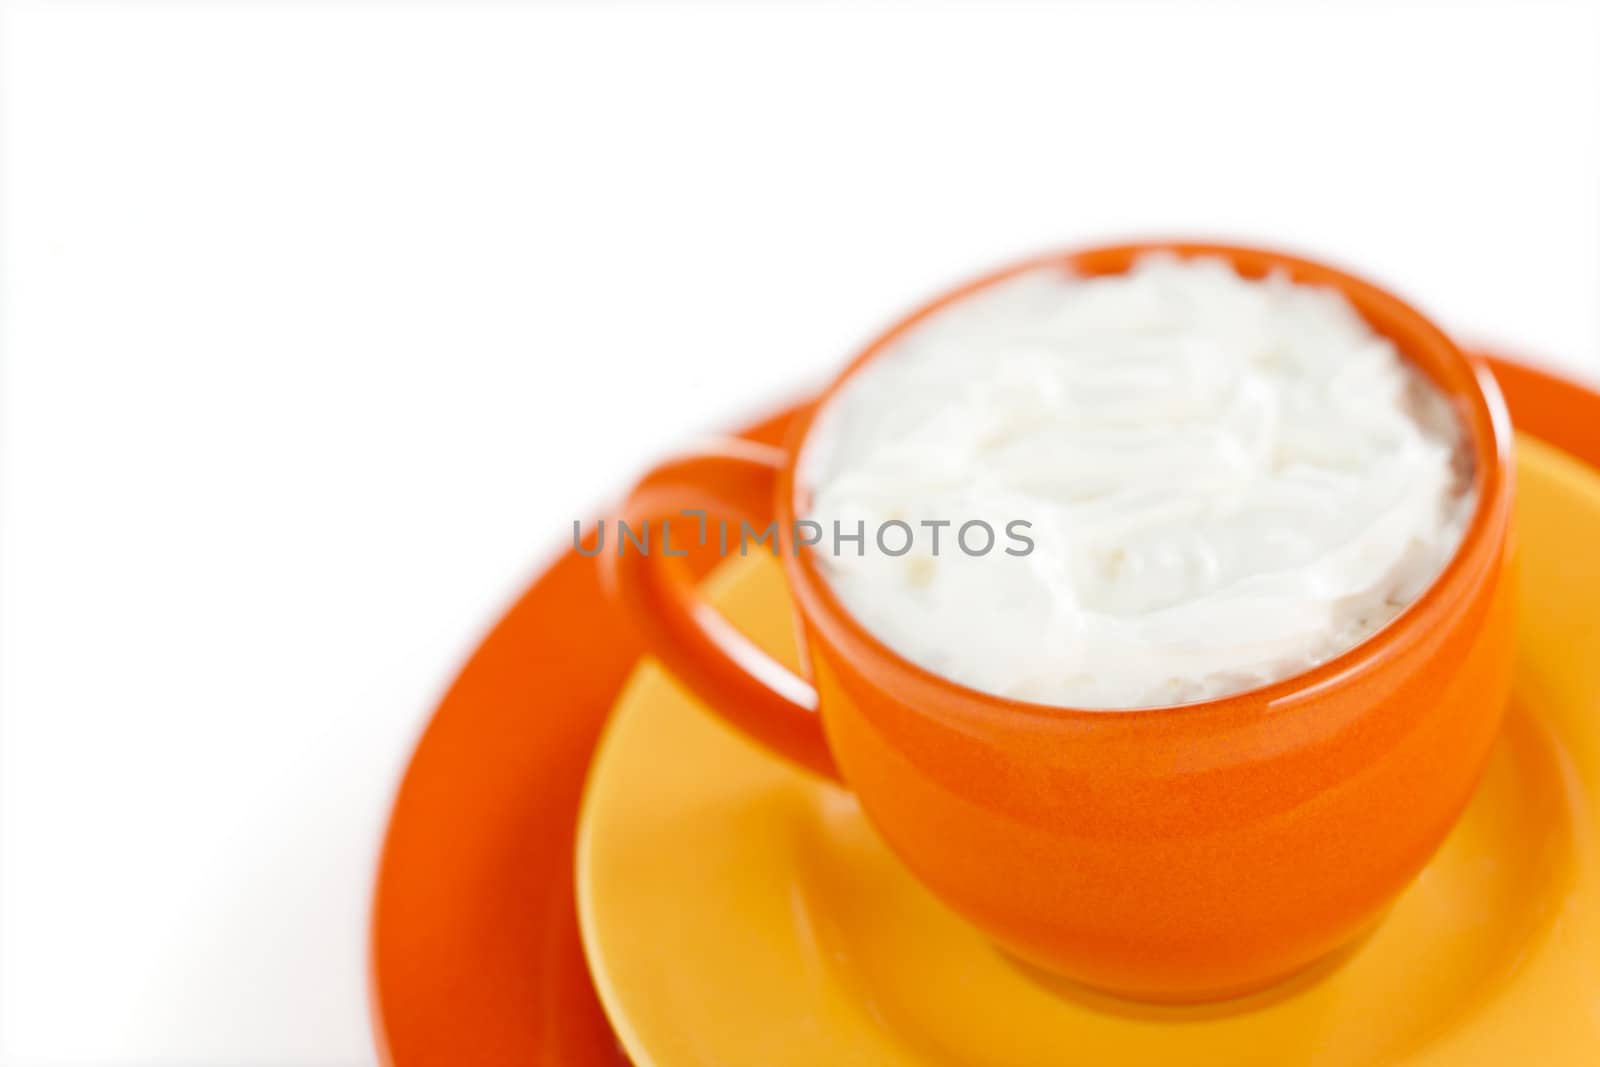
pixel 1170 854
pixel 739 911
pixel 475 949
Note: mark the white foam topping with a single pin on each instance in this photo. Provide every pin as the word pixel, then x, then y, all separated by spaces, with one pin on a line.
pixel 1226 482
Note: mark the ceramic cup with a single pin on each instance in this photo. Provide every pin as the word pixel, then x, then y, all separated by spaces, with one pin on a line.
pixel 1182 853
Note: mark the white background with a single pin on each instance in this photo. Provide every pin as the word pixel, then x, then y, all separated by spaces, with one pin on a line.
pixel 321 324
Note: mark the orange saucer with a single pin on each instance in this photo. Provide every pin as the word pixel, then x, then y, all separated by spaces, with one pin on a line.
pixel 475 950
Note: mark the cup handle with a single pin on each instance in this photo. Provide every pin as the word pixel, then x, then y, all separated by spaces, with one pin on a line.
pixel 733 479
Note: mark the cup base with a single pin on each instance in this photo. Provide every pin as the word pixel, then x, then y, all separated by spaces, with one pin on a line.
pixel 1203 1004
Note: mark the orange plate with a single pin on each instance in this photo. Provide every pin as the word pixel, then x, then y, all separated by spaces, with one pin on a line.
pixel 475 950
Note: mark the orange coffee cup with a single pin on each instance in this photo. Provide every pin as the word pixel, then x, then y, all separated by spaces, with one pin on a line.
pixel 1180 853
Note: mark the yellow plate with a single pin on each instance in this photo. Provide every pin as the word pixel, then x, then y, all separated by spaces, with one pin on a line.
pixel 736 912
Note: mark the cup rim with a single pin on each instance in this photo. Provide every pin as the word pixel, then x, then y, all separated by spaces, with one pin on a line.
pixel 1472 391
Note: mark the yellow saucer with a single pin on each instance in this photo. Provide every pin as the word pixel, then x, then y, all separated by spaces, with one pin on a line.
pixel 736 912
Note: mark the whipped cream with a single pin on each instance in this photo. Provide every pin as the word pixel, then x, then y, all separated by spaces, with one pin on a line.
pixel 1224 481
